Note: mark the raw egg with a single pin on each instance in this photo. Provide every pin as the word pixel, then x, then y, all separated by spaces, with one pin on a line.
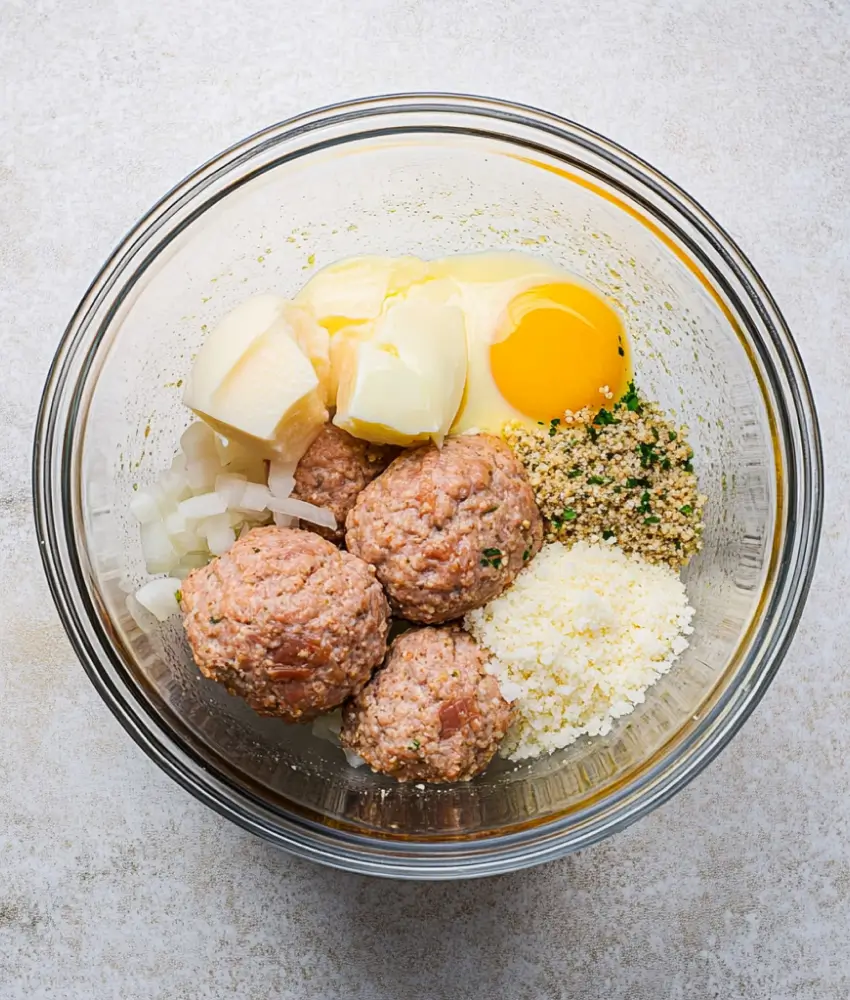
pixel 557 345
pixel 539 341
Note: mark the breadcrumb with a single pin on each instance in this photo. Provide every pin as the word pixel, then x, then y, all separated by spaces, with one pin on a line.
pixel 623 475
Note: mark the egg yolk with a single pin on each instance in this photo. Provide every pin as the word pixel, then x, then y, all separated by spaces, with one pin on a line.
pixel 559 345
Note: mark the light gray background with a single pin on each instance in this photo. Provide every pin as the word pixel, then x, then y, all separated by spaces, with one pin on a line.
pixel 112 882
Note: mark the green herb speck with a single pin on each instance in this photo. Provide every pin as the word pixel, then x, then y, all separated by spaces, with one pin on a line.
pixel 178 596
pixel 686 509
pixel 596 480
pixel 606 534
pixel 569 514
pixel 603 418
pixel 652 520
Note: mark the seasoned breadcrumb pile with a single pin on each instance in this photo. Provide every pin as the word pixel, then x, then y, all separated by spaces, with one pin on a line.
pixel 623 475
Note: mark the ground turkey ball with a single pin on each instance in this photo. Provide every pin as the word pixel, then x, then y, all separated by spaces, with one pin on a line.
pixel 431 713
pixel 333 471
pixel 287 622
pixel 447 529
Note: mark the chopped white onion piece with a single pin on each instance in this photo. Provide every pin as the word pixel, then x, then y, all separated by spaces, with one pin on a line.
pixel 144 507
pixel 220 536
pixel 173 487
pixel 178 463
pixel 204 505
pixel 230 487
pixel 327 727
pixel 354 759
pixel 188 562
pixel 157 549
pixel 160 597
pixel 143 618
pixel 306 511
pixel 284 520
pixel 282 477
pixel 255 497
pixel 214 523
pixel 201 474
pixel 197 442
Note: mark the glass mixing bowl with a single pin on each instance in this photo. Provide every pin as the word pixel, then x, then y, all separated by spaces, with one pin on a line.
pixel 431 175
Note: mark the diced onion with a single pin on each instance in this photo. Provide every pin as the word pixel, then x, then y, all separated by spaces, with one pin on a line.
pixel 220 536
pixel 197 442
pixel 201 506
pixel 231 488
pixel 281 478
pixel 255 497
pixel 160 597
pixel 189 562
pixel 173 486
pixel 327 727
pixel 202 473
pixel 160 555
pixel 303 510
pixel 284 520
pixel 144 507
pixel 353 759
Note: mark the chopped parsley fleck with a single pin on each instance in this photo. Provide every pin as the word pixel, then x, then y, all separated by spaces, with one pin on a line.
pixel 603 418
pixel 632 483
pixel 631 400
pixel 178 596
pixel 672 435
pixel 214 620
pixel 415 745
pixel 654 432
pixel 652 520
pixel 492 558
pixel 135 487
pixel 686 509
pixel 644 503
pixel 592 433
pixel 526 556
pixel 647 454
pixel 665 464
pixel 606 534
pixel 688 466
pixel 569 514
pixel 574 472
pixel 596 480
pixel 618 489
pixel 553 426
pixel 491 509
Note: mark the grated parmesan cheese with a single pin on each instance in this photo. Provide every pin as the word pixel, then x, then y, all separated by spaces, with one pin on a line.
pixel 578 639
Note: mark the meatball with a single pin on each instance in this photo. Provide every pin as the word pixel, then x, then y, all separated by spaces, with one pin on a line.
pixel 334 469
pixel 287 622
pixel 431 713
pixel 447 529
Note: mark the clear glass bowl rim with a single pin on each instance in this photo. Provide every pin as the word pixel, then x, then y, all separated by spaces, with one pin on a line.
pixel 53 498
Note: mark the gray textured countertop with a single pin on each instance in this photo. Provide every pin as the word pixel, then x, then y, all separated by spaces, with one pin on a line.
pixel 113 883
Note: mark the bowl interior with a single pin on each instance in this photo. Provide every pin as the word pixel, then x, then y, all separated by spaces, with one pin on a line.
pixel 267 226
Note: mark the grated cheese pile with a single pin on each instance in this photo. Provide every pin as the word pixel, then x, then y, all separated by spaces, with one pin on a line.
pixel 578 639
